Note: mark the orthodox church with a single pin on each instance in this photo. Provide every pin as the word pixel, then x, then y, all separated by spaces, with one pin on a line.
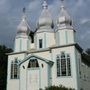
pixel 49 56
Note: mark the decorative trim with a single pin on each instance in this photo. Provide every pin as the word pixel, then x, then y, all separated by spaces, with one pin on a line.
pixel 64 28
pixel 45 43
pixel 66 37
pixel 20 47
pixel 40 58
pixel 48 49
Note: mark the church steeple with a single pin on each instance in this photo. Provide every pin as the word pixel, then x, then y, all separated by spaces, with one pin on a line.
pixel 23 27
pixel 22 39
pixel 45 20
pixel 44 36
pixel 45 5
pixel 64 20
pixel 65 34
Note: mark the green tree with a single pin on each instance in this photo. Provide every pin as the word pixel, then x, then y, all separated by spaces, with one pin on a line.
pixel 3 66
pixel 58 88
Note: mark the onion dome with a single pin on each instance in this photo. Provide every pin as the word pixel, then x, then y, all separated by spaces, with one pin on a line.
pixel 45 17
pixel 23 27
pixel 64 17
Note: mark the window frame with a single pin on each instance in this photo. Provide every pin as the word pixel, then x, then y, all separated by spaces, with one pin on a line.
pixel 33 63
pixel 40 43
pixel 14 74
pixel 67 65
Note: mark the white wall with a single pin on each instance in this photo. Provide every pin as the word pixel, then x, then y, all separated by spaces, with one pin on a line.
pixel 22 43
pixel 68 81
pixel 13 83
pixel 65 36
pixel 44 72
pixel 47 37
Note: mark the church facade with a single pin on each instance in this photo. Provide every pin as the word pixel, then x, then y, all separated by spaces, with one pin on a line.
pixel 49 57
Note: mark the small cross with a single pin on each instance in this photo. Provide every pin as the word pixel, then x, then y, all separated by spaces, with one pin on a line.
pixel 24 10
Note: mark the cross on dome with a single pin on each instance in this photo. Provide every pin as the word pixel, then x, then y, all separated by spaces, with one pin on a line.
pixel 62 6
pixel 24 14
pixel 24 10
pixel 45 5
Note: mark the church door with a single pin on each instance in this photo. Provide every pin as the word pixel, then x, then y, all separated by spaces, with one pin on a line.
pixel 33 73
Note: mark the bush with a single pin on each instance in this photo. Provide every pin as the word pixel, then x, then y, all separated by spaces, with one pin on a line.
pixel 58 88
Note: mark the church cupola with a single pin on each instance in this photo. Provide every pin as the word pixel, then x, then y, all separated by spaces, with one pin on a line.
pixel 22 39
pixel 64 20
pixel 65 34
pixel 45 20
pixel 23 27
pixel 44 36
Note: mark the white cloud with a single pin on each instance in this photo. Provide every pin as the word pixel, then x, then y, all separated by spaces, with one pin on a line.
pixel 84 20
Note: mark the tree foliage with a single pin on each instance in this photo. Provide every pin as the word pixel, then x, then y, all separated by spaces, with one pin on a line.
pixel 3 66
pixel 88 51
pixel 58 88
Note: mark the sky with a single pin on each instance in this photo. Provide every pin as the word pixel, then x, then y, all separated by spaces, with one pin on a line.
pixel 11 13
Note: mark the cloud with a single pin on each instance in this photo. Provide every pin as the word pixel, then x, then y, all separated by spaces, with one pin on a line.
pixel 11 12
pixel 84 20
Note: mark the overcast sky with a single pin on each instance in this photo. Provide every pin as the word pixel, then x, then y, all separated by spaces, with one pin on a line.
pixel 11 12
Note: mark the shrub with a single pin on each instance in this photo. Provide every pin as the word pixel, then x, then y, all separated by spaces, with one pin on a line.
pixel 58 88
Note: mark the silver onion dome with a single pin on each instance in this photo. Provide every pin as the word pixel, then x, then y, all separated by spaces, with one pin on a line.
pixel 64 17
pixel 23 27
pixel 45 17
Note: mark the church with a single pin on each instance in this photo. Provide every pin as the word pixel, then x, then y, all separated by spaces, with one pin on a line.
pixel 48 56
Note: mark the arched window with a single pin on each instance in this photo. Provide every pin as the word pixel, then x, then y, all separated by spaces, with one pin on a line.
pixel 33 63
pixel 15 69
pixel 63 65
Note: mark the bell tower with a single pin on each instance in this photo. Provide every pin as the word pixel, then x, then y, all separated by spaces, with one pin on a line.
pixel 65 34
pixel 22 39
pixel 44 36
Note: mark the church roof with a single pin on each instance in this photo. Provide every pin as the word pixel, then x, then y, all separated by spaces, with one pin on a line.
pixel 38 57
pixel 64 17
pixel 23 27
pixel 45 17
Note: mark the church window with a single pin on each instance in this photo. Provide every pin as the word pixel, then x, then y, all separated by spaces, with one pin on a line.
pixel 42 65
pixel 14 69
pixel 63 65
pixel 68 65
pixel 40 43
pixel 58 66
pixel 33 63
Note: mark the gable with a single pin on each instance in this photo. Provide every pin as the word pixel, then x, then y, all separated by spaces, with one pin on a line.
pixel 36 57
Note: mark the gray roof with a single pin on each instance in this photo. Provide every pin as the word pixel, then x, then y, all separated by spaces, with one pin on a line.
pixel 45 18
pixel 64 14
pixel 23 26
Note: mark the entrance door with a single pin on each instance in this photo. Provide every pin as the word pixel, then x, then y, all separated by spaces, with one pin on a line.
pixel 33 79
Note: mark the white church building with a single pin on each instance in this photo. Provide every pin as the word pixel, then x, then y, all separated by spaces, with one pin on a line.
pixel 50 56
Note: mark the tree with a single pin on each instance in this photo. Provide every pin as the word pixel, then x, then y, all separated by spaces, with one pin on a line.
pixel 58 88
pixel 88 51
pixel 3 66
